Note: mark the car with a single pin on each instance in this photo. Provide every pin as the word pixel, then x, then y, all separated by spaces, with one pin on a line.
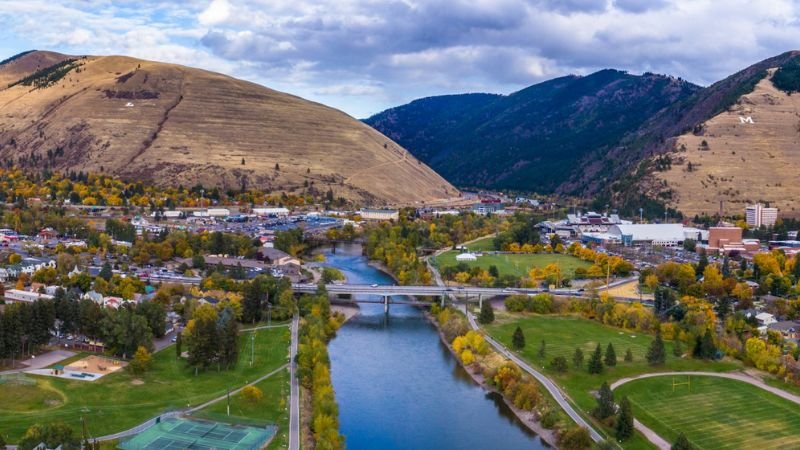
pixel 174 338
pixel 374 285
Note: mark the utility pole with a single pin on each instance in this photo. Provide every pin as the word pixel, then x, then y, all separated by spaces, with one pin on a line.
pixel 252 347
pixel 229 401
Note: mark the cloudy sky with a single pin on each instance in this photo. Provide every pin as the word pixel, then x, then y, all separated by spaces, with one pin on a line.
pixel 363 56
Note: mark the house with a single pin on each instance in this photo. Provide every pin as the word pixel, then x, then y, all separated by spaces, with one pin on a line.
pixel 4 275
pixel 765 318
pixel 787 328
pixel 275 257
pixel 29 266
pixel 464 257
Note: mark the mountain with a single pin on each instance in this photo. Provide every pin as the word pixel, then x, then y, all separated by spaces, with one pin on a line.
pixel 540 138
pixel 737 142
pixel 170 125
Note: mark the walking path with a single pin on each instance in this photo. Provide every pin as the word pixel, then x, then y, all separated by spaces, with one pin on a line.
pixel 294 391
pixel 41 361
pixel 660 442
pixel 551 387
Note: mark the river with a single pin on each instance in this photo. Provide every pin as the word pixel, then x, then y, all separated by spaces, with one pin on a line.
pixel 399 387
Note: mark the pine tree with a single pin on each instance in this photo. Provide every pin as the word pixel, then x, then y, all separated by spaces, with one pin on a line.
pixel 624 424
pixel 701 265
pixel 708 349
pixel 518 339
pixel 611 356
pixel 629 356
pixel 605 402
pixel 487 314
pixel 542 349
pixel 681 443
pixel 596 361
pixel 655 354
pixel 105 272
pixel 577 358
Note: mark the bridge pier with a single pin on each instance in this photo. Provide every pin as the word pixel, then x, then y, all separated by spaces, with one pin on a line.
pixel 386 304
pixel 442 300
pixel 480 301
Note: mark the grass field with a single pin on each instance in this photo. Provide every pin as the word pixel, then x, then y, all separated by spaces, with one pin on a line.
pixel 482 245
pixel 515 264
pixel 563 334
pixel 271 408
pixel 120 401
pixel 723 414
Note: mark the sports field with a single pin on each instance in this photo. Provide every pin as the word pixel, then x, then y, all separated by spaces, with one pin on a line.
pixel 185 434
pixel 715 413
pixel 516 264
pixel 121 400
pixel 563 334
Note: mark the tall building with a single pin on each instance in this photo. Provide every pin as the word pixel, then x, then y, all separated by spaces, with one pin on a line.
pixel 757 215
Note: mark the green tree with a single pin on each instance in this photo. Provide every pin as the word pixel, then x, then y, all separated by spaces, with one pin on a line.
pixel 623 428
pixel 542 350
pixel 655 353
pixel 577 358
pixel 105 272
pixel 228 332
pixel 487 314
pixel 198 262
pixel 125 331
pixel 518 339
pixel 559 364
pixel 596 361
pixel 681 443
pixel 202 338
pixel 611 356
pixel 629 356
pixel 708 349
pixel 605 402
pixel 51 434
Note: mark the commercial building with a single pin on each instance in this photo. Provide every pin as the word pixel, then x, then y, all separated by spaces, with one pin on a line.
pixel 576 225
pixel 728 240
pixel 379 214
pixel 17 295
pixel 758 215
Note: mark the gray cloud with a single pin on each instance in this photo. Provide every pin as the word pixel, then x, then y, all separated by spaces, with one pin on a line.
pixel 366 55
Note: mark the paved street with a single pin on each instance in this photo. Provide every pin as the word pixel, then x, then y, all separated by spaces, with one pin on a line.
pixel 294 392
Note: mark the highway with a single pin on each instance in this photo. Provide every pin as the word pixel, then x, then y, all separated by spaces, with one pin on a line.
pixel 390 290
pixel 294 391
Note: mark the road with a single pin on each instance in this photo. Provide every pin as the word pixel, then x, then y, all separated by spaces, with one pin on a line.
pixel 294 391
pixel 390 290
pixel 551 387
pixel 662 443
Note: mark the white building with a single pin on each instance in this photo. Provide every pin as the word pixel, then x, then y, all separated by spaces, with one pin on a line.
pixel 379 214
pixel 757 215
pixel 464 257
pixel 16 295
pixel 658 234
pixel 271 212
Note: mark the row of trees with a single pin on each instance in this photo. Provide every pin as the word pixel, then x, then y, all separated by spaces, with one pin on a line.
pixel 212 338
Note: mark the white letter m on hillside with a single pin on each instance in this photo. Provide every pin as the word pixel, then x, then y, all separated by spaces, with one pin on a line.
pixel 747 119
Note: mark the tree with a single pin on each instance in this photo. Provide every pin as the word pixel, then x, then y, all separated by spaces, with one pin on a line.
pixel 629 356
pixel 575 438
pixel 655 353
pixel 624 425
pixel 51 434
pixel 577 358
pixel 605 402
pixel 596 361
pixel 702 263
pixel 487 314
pixel 542 349
pixel 518 339
pixel 707 348
pixel 611 356
pixel 677 348
pixel 125 331
pixel 252 394
pixel 202 337
pixel 228 333
pixel 141 361
pixel 681 443
pixel 559 364
pixel 178 345
pixel 105 272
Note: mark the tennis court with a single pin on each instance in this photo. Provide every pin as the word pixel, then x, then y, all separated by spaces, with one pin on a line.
pixel 190 434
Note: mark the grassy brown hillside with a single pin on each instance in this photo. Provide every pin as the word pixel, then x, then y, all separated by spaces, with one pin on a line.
pixel 170 124
pixel 738 163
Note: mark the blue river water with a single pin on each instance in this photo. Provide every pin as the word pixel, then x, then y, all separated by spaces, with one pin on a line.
pixel 399 387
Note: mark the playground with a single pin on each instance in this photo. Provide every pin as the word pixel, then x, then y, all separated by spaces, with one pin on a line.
pixel 90 368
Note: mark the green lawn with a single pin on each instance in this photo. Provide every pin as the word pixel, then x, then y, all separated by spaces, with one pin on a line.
pixel 118 401
pixel 516 264
pixel 715 413
pixel 563 334
pixel 271 408
pixel 482 245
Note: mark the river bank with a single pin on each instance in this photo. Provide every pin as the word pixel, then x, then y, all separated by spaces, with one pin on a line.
pixel 528 418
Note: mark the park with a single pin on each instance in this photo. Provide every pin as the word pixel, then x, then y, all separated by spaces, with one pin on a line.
pixel 121 400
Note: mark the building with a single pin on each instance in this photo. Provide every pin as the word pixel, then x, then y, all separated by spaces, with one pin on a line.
pixel 787 328
pixel 379 214
pixel 728 240
pixel 271 212
pixel 16 295
pixel 758 215
pixel 658 234
pixel 483 209
pixel 275 257
pixel 464 257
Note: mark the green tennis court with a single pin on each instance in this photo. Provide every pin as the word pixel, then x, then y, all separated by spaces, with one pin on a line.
pixel 189 434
